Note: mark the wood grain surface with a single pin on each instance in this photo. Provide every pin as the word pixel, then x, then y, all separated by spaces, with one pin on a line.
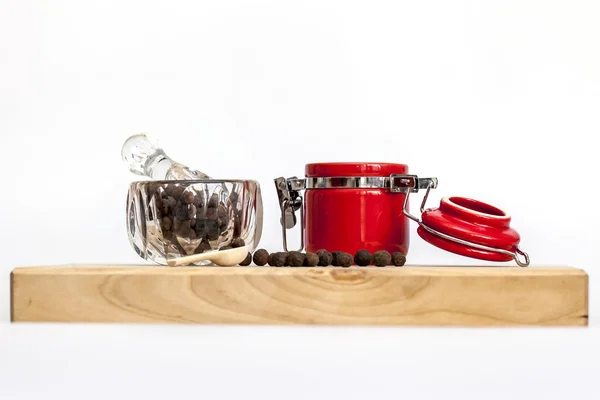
pixel 411 295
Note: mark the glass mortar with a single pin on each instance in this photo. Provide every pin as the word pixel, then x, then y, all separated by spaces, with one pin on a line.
pixel 176 218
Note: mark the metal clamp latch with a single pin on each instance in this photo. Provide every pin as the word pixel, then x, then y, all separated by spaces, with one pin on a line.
pixel 400 183
pixel 290 201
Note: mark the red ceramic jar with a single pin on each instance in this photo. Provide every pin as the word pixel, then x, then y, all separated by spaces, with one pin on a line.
pixel 351 219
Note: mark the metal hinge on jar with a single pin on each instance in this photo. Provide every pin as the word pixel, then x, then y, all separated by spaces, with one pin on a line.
pixel 290 200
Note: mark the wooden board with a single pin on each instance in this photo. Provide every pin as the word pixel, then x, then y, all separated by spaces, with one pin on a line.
pixel 411 295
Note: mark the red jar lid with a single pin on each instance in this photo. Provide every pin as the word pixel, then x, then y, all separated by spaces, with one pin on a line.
pixel 354 169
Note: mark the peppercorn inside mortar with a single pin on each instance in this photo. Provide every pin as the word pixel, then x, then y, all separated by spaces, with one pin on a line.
pixel 170 219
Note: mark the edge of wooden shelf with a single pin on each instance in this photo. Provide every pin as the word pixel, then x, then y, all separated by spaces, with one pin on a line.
pixel 256 270
pixel 413 295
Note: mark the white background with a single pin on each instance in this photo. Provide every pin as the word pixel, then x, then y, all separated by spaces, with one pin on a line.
pixel 499 100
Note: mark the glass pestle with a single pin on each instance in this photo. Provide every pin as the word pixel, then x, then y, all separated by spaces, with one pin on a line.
pixel 145 157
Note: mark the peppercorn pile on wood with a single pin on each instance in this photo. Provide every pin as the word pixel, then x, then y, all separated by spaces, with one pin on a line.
pixel 321 258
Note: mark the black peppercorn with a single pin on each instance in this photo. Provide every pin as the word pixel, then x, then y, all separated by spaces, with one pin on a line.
pixel 223 223
pixel 294 259
pixel 398 259
pixel 212 229
pixel 238 242
pixel 382 258
pixel 198 199
pixel 237 225
pixel 178 191
pixel 325 258
pixel 158 201
pixel 169 190
pixel 201 227
pixel 277 259
pixel 247 260
pixel 311 260
pixel 211 213
pixel 344 259
pixel 181 212
pixel 188 197
pixel 213 202
pixel 185 230
pixel 153 188
pixel 166 224
pixel 202 247
pixel 362 258
pixel 168 204
pixel 261 257
pixel 171 201
pixel 335 258
pixel 223 217
pixel 191 210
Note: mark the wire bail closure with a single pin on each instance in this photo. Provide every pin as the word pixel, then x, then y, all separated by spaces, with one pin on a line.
pixel 515 255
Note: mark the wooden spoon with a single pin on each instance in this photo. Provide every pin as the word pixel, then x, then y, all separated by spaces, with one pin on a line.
pixel 223 258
